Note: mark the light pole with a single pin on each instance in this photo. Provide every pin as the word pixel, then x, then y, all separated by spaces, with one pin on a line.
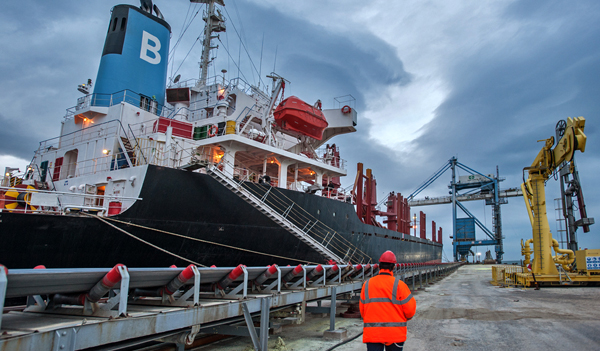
pixel 7 174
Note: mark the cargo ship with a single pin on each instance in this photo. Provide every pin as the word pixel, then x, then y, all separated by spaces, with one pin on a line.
pixel 210 171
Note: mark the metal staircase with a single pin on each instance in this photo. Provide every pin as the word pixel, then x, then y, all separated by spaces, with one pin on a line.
pixel 281 220
pixel 128 148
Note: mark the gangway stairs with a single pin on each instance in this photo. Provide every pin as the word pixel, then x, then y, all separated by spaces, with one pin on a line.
pixel 278 218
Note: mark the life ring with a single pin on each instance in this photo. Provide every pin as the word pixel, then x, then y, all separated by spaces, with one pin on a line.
pixel 213 130
pixel 346 109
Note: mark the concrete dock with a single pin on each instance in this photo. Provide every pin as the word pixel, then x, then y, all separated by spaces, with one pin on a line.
pixel 465 312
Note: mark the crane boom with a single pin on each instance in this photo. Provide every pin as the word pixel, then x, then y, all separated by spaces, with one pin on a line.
pixel 572 138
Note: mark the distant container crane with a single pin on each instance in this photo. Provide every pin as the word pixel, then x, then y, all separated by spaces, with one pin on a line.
pixel 478 187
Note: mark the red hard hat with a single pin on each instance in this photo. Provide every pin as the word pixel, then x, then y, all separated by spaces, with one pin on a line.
pixel 388 257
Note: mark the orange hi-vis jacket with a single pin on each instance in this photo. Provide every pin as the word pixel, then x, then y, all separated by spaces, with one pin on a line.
pixel 386 304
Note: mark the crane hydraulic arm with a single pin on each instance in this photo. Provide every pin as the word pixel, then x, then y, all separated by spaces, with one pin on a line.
pixel 547 161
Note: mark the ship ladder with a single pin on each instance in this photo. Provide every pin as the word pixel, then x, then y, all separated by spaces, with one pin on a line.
pixel 281 220
pixel 129 150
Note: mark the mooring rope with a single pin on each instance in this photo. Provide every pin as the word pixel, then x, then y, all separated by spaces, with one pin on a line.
pixel 148 243
pixel 190 238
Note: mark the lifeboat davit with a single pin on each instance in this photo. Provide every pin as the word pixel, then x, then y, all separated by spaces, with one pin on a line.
pixel 298 116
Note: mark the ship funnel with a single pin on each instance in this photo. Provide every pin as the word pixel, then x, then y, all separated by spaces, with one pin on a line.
pixel 146 6
pixel 133 66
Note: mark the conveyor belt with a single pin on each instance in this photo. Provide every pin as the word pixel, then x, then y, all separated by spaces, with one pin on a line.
pixel 126 319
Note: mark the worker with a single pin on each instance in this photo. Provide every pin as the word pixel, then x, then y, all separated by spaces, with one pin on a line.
pixel 386 304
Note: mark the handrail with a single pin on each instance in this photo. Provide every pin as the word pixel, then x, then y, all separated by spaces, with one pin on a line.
pixel 107 100
pixel 302 218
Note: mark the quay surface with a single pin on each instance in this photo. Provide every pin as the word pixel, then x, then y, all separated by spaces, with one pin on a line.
pixel 465 312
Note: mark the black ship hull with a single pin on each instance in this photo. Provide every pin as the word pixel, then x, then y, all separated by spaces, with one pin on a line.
pixel 213 226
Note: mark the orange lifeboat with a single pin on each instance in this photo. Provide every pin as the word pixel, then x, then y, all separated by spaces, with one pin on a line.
pixel 296 115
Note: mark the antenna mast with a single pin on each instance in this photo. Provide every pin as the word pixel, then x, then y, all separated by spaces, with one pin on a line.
pixel 214 23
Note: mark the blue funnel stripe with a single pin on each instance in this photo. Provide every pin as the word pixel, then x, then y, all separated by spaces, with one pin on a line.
pixel 135 58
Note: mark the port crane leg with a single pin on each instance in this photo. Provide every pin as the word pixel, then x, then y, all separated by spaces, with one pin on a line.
pixel 542 243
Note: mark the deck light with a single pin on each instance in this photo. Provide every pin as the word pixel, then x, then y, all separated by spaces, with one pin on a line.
pixel 105 151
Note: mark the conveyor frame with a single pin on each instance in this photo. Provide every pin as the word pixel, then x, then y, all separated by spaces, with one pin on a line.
pixel 142 319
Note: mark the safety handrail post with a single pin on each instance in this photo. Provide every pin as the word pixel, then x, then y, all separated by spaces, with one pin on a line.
pixel 124 290
pixel 3 285
pixel 332 309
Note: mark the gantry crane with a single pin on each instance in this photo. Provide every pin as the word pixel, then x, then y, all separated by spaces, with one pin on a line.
pixel 544 267
pixel 474 186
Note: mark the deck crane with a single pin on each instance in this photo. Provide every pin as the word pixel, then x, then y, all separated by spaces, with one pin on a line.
pixel 549 159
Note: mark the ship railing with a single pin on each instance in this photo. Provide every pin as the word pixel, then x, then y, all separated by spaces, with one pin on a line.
pixel 109 162
pixel 146 103
pixel 149 127
pixel 33 200
pixel 198 110
pixel 181 153
pixel 341 194
pixel 193 83
pixel 301 218
pixel 112 128
pixel 92 132
pixel 218 79
pixel 327 156
pixel 245 117
pixel 89 166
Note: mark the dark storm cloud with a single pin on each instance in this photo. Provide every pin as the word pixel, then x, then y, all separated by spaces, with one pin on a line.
pixel 503 99
pixel 510 94
pixel 46 52
pixel 13 137
pixel 319 63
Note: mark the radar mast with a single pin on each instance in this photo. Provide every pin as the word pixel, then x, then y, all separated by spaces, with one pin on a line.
pixel 214 23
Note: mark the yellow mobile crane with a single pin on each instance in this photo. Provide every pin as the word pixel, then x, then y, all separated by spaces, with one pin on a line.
pixel 545 268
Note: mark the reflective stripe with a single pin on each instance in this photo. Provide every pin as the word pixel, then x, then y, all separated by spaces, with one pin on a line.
pixel 378 299
pixel 388 324
pixel 395 288
pixel 366 300
pixel 385 299
pixel 402 302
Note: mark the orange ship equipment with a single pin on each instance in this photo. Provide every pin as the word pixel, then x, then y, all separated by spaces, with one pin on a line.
pixel 298 116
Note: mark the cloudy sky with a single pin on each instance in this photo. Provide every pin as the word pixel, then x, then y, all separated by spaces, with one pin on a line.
pixel 479 80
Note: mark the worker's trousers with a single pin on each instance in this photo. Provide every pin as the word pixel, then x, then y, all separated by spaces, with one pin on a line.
pixel 371 346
